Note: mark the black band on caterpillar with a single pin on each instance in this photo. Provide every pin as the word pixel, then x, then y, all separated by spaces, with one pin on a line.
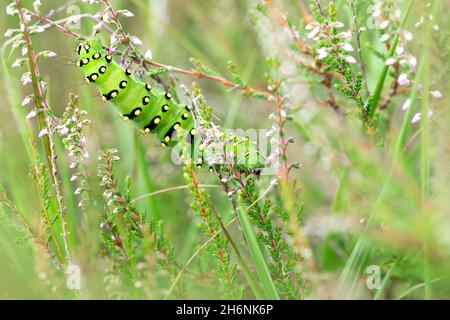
pixel 111 95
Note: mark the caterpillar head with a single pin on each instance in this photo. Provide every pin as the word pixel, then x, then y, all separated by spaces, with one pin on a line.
pixel 87 48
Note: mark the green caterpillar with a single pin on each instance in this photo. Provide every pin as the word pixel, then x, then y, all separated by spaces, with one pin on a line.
pixel 156 111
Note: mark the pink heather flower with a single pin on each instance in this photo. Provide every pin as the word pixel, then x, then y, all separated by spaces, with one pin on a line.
pixel 390 61
pixel 350 59
pixel 400 50
pixel 347 47
pixel 344 35
pixel 322 53
pixel 403 80
pixel 412 63
pixel 336 24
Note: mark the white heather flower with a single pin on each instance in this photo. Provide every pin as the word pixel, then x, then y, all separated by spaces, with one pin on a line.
pixel 403 80
pixel 400 50
pixel 384 24
pixel 148 55
pixel 113 39
pixel 127 13
pixel 436 94
pixel 344 35
pixel 409 36
pixel 24 51
pixel 49 54
pixel 350 59
pixel 10 32
pixel 336 24
pixel 31 114
pixel 26 78
pixel 314 32
pixel 11 9
pixel 43 133
pixel 136 40
pixel 97 27
pixel 18 62
pixel 385 37
pixel 105 17
pixel 322 53
pixel 26 101
pixel 412 63
pixel 420 22
pixel 407 104
pixel 416 118
pixel 311 26
pixel 390 61
pixel 36 5
pixel 347 47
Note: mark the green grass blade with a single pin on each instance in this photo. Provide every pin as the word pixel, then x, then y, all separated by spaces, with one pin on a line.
pixel 258 258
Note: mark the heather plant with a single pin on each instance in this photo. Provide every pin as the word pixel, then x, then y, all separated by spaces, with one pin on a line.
pixel 297 164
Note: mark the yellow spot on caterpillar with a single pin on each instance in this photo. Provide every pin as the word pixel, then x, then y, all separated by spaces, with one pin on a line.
pixel 163 144
pixel 148 87
pixel 168 95
pixel 125 118
pixel 78 64
pixel 157 120
pixel 94 77
pixel 200 160
pixel 137 112
pixel 176 126
pixel 96 55
pixel 128 72
pixel 185 115
pixel 147 130
pixel 199 166
pixel 85 61
pixel 123 84
pixel 113 94
pixel 189 107
pixel 87 80
pixel 166 138
pixel 211 170
pixel 193 132
pixel 165 107
pixel 146 99
pixel 86 47
pixel 103 98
